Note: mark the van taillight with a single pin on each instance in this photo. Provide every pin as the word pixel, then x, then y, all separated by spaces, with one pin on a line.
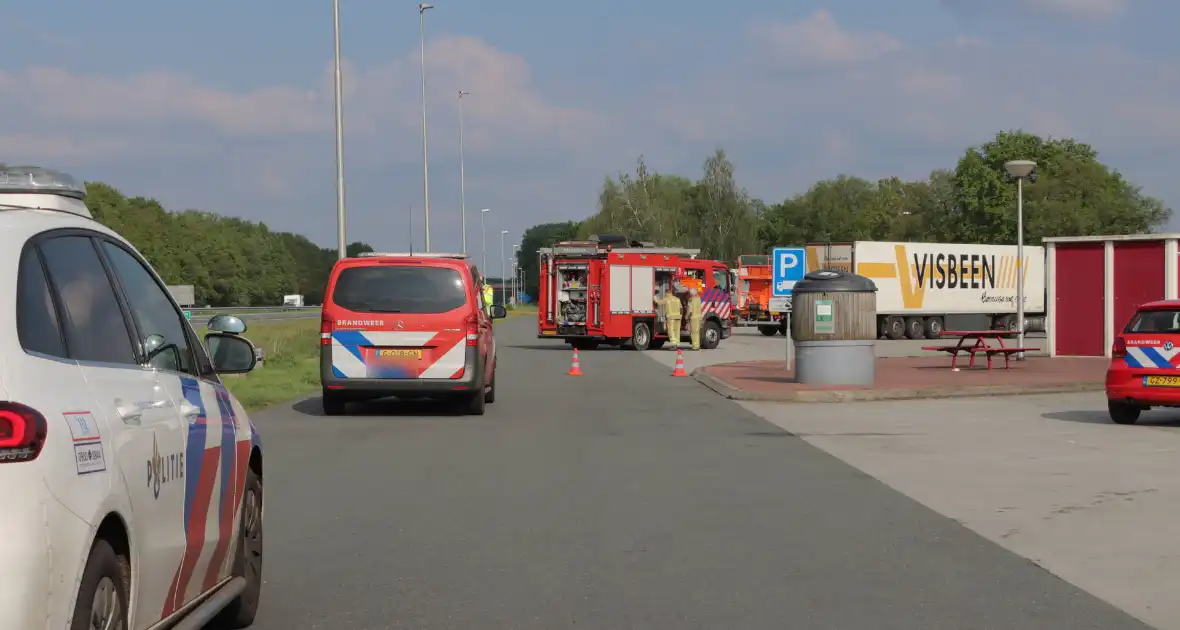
pixel 325 330
pixel 22 433
pixel 1119 349
pixel 473 330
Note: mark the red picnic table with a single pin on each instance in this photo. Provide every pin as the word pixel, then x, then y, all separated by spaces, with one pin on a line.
pixel 975 342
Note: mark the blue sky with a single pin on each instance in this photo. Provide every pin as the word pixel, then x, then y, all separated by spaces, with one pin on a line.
pixel 227 106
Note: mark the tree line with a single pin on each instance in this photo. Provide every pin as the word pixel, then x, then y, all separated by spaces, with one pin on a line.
pixel 229 261
pixel 1074 194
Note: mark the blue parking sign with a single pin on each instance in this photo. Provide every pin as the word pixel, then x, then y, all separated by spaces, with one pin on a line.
pixel 788 268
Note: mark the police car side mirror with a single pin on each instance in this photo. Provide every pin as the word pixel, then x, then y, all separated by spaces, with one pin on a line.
pixel 230 353
pixel 499 312
pixel 231 324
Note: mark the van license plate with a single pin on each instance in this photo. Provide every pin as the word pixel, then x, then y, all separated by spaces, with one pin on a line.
pixel 1161 381
pixel 398 352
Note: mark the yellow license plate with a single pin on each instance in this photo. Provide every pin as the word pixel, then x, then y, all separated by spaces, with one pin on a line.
pixel 548 332
pixel 416 354
pixel 1161 381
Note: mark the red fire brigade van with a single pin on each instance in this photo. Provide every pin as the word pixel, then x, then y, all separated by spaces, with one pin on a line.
pixel 602 291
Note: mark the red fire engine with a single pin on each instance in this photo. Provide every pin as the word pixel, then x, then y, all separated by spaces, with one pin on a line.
pixel 601 291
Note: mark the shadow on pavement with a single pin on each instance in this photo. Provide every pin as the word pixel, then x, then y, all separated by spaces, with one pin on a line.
pixel 1157 418
pixel 382 407
pixel 551 346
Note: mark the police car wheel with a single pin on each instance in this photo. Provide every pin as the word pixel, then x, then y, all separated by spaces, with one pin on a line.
pixel 102 596
pixel 1123 413
pixel 248 560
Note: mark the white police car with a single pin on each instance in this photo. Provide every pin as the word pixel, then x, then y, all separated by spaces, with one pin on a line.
pixel 132 480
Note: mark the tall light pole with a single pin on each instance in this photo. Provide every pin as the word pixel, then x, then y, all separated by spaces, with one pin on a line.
pixel 503 265
pixel 483 235
pixel 462 173
pixel 1020 170
pixel 341 239
pixel 515 264
pixel 422 8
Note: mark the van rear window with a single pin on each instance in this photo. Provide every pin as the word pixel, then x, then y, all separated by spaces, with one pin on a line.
pixel 399 289
pixel 1155 322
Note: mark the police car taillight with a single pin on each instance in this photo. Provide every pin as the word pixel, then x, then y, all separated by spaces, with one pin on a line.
pixel 1119 349
pixel 473 330
pixel 325 330
pixel 22 433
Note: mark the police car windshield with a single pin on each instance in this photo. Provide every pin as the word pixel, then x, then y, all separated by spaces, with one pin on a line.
pixel 1155 322
pixel 399 289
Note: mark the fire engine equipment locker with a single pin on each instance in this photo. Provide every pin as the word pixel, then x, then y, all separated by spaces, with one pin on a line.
pixel 834 328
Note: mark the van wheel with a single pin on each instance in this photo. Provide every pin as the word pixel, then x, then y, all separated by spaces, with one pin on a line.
pixel 490 396
pixel 240 613
pixel 641 336
pixel 1123 413
pixel 334 404
pixel 915 328
pixel 476 404
pixel 711 337
pixel 102 596
pixel 768 331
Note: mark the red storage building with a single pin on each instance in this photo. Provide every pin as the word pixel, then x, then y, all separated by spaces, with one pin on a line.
pixel 1094 284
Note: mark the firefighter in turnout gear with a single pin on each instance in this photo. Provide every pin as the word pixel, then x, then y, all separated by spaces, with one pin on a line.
pixel 489 296
pixel 672 317
pixel 694 318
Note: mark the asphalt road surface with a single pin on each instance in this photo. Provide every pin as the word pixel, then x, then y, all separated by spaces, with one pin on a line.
pixel 622 499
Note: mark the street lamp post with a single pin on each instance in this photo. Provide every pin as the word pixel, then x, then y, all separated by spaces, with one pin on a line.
pixel 483 236
pixel 422 8
pixel 515 265
pixel 341 238
pixel 503 266
pixel 462 174
pixel 1020 170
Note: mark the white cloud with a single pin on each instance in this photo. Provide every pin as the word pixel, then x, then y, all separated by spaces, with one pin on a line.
pixel 53 113
pixel 819 40
pixel 1077 9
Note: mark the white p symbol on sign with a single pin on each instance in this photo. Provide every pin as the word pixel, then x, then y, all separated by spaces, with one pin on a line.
pixel 787 262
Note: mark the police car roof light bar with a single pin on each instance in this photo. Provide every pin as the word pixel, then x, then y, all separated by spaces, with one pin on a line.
pixel 34 187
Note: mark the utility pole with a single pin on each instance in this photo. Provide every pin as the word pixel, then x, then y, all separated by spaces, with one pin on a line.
pixel 341 238
pixel 422 9
pixel 462 173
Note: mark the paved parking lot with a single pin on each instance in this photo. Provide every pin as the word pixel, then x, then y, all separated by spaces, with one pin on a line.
pixel 1048 477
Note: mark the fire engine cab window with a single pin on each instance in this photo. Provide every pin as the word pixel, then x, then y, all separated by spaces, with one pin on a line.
pixel 94 325
pixel 391 289
pixel 1155 322
pixel 721 280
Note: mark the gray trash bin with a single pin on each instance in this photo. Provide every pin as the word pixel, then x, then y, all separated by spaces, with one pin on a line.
pixel 834 327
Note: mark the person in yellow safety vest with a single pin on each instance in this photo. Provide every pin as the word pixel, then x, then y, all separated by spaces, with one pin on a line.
pixel 694 318
pixel 489 296
pixel 672 317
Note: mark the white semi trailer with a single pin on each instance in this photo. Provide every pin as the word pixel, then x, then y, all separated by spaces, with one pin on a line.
pixel 920 286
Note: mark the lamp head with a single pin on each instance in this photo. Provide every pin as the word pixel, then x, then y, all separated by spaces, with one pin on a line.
pixel 1020 169
pixel 486 210
pixel 424 6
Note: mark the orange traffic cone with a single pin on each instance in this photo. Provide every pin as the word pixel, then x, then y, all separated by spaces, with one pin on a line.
pixel 679 371
pixel 575 366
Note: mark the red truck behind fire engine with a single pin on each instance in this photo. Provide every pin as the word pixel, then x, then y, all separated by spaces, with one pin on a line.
pixel 600 292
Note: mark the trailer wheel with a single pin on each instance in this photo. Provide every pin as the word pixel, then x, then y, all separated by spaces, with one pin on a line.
pixel 915 328
pixel 894 327
pixel 768 331
pixel 712 335
pixel 933 328
pixel 641 336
